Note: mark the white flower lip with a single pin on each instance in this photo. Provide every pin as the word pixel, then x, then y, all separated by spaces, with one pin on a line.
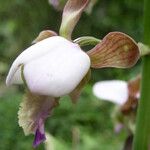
pixel 115 91
pixel 54 67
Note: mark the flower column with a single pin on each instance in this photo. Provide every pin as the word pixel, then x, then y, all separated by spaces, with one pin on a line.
pixel 142 135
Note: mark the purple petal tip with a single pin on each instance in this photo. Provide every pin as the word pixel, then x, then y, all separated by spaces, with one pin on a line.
pixel 39 138
pixel 118 128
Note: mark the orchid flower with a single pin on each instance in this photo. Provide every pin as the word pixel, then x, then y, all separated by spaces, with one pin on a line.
pixel 125 95
pixel 55 65
pixel 121 93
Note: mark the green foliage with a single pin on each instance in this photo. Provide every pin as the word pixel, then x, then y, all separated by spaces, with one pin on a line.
pixel 90 116
pixel 21 21
pixel 11 135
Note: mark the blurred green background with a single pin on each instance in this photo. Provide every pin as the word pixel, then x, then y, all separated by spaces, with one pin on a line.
pixel 90 118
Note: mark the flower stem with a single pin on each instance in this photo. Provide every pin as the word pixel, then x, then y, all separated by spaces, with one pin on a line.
pixel 142 134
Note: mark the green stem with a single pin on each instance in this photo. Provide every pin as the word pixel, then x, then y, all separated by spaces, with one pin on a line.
pixel 64 32
pixel 87 40
pixel 142 134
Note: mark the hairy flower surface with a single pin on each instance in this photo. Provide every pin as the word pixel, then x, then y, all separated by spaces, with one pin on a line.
pixel 33 112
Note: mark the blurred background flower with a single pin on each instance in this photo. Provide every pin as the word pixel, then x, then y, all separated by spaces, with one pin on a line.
pixel 125 96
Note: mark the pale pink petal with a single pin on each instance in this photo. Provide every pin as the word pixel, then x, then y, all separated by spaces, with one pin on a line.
pixel 59 72
pixel 118 127
pixel 33 52
pixel 115 91
pixel 55 51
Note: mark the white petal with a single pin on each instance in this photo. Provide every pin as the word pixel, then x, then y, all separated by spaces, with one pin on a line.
pixel 57 73
pixel 115 91
pixel 17 79
pixel 34 52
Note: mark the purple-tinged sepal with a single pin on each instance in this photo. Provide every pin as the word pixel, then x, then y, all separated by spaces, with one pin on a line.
pixel 34 110
pixel 39 134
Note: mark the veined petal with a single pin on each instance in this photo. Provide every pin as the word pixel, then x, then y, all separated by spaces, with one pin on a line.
pixel 36 51
pixel 115 91
pixel 116 50
pixel 71 14
pixel 59 72
pixel 44 35
pixel 34 110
